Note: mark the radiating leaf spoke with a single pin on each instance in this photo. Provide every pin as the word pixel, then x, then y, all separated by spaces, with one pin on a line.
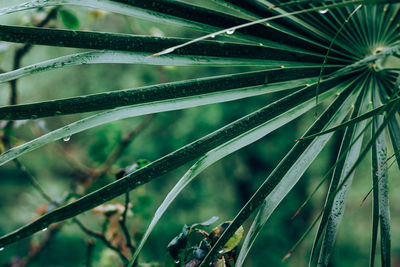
pixel 287 168
pixel 147 44
pixel 96 57
pixel 394 129
pixel 288 181
pixel 380 183
pixel 334 214
pixel 153 170
pixel 222 151
pixel 236 85
pixel 344 52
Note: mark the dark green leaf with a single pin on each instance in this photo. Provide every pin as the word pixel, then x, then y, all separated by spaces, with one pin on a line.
pixel 282 169
pixel 69 19
pixel 178 243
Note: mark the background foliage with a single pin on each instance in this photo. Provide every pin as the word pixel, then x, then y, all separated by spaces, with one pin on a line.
pixel 221 190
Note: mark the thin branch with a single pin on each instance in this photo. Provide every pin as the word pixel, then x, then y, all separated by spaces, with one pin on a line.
pixel 35 250
pixel 101 237
pixel 124 143
pixel 34 182
pixel 124 227
pixel 89 253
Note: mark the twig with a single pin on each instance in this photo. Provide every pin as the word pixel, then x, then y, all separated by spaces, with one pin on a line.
pixel 76 163
pixel 34 252
pixel 34 181
pixel 124 228
pixel 101 237
pixel 89 254
pixel 118 151
pixel 124 143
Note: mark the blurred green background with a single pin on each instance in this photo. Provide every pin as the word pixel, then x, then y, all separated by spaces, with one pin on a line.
pixel 220 191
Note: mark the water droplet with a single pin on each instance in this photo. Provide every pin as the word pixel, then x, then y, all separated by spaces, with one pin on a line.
pixel 282 67
pixel 337 94
pixel 261 44
pixel 323 11
pixel 45 229
pixel 1 249
pixel 230 31
pixel 212 35
pixel 67 138
pixel 221 251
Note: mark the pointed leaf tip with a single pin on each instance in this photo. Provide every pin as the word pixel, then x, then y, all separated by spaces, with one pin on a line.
pixel 296 213
pixel 164 52
pixel 287 256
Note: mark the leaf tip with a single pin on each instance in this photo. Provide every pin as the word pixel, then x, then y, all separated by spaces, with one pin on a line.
pixel 363 201
pixel 295 214
pixel 163 52
pixel 287 256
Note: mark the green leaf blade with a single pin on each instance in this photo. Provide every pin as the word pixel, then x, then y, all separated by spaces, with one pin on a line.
pixel 159 167
pixel 353 137
pixel 380 178
pixel 222 151
pixel 279 173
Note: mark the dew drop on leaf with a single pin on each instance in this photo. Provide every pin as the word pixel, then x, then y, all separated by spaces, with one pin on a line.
pixel 45 229
pixel 323 11
pixel 230 31
pixel 67 138
pixel 1 249
pixel 212 36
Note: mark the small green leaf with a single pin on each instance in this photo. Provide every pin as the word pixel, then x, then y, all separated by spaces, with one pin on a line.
pixel 69 19
pixel 232 242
